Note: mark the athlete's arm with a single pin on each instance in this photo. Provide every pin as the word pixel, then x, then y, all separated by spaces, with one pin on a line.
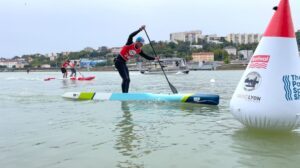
pixel 146 56
pixel 130 38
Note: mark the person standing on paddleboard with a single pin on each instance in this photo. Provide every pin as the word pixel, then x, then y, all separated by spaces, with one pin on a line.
pixel 127 52
pixel 63 68
pixel 73 70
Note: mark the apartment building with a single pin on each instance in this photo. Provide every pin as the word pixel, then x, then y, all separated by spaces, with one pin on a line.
pixel 13 63
pixel 188 36
pixel 243 38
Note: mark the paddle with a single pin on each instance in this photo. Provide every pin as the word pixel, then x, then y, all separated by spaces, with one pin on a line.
pixel 174 90
pixel 79 72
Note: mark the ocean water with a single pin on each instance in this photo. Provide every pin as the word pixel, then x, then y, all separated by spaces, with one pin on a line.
pixel 39 129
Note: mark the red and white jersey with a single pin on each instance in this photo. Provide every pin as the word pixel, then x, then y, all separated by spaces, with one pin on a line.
pixel 129 51
pixel 72 65
pixel 65 65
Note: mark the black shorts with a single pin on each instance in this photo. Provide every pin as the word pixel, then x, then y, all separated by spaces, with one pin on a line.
pixel 63 70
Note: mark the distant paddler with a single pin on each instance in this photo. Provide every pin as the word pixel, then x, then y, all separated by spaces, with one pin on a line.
pixel 127 52
pixel 64 68
pixel 73 70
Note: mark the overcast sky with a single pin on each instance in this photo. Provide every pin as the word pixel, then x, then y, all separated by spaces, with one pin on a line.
pixel 44 26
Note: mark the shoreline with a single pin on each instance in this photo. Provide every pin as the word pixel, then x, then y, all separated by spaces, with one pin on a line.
pixel 111 68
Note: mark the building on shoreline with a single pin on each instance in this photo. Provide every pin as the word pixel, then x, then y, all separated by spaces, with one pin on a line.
pixel 231 50
pixel 203 57
pixel 188 36
pixel 213 38
pixel 52 56
pixel 13 63
pixel 243 38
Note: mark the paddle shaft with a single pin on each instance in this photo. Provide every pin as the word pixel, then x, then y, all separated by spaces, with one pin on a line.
pixel 80 73
pixel 174 90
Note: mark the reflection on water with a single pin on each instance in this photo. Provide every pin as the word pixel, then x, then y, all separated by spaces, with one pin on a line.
pixel 253 148
pixel 195 109
pixel 136 139
pixel 127 142
pixel 65 83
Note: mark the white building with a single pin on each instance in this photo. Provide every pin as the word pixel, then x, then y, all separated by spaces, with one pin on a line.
pixel 45 66
pixel 215 42
pixel 213 38
pixel 231 50
pixel 188 36
pixel 243 38
pixel 52 56
pixel 8 63
pixel 246 54
pixel 197 46
pixel 13 63
pixel 65 53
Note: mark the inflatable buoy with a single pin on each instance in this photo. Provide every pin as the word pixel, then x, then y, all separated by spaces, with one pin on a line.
pixel 268 94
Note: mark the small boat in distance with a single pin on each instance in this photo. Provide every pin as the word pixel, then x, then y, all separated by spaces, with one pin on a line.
pixel 170 65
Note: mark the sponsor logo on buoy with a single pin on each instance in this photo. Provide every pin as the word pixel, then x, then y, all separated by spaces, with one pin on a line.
pixel 250 98
pixel 252 81
pixel 259 61
pixel 291 87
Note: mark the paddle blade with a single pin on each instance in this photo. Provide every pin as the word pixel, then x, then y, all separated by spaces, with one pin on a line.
pixel 174 90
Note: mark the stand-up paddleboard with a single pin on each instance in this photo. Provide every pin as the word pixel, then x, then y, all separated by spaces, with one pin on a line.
pixel 72 78
pixel 198 98
pixel 83 78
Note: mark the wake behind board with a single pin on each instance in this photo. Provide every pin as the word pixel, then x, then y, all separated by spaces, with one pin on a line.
pixel 198 98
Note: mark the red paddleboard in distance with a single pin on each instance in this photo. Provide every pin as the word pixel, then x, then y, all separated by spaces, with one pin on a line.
pixel 83 78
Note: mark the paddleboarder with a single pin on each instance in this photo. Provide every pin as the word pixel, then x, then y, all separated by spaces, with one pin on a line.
pixel 73 70
pixel 63 68
pixel 128 51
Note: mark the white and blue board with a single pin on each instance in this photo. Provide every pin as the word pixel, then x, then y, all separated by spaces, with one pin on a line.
pixel 199 98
